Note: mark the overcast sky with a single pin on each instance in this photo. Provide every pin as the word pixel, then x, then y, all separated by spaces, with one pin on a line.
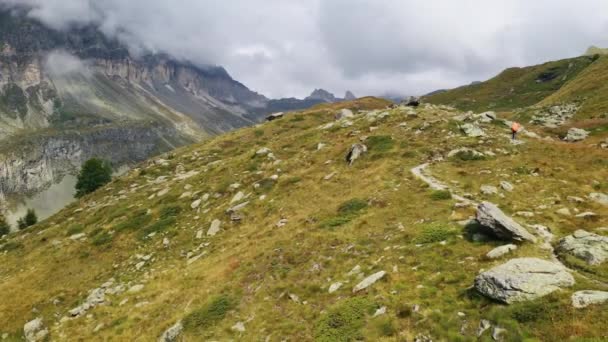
pixel 284 48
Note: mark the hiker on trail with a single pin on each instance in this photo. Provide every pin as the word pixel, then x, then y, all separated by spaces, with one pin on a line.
pixel 515 127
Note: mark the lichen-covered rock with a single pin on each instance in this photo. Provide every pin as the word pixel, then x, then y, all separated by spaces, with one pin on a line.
pixel 590 247
pixel 522 279
pixel 576 134
pixel 501 251
pixel 35 331
pixel 171 334
pixel 472 130
pixel 356 150
pixel 582 299
pixel 369 281
pixel 490 216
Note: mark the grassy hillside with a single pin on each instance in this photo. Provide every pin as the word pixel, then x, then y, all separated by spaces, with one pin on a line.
pixel 589 89
pixel 515 87
pixel 309 221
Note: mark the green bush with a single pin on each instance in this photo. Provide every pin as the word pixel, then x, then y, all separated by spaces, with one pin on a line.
pixel 210 314
pixel 468 156
pixel 441 195
pixel 344 322
pixel 434 233
pixel 101 238
pixel 352 206
pixel 347 211
pixel 170 211
pixel 94 174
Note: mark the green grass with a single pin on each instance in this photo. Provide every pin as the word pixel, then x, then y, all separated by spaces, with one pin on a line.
pixel 158 226
pixel 379 143
pixel 74 229
pixel 514 87
pixel 139 220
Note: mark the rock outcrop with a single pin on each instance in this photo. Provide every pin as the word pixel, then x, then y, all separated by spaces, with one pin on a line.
pixel 369 281
pixel 504 227
pixel 582 299
pixel 576 134
pixel 522 279
pixel 590 247
pixel 356 150
pixel 35 331
pixel 172 333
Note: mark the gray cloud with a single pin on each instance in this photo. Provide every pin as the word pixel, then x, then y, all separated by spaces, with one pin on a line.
pixel 60 63
pixel 287 48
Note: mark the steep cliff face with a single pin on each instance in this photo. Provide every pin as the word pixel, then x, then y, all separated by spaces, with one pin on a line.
pixel 45 159
pixel 96 99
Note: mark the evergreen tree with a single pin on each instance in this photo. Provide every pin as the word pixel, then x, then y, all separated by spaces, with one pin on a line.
pixel 29 219
pixel 5 228
pixel 94 174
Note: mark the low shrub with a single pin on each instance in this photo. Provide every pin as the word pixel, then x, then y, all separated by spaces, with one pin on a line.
pixel 441 195
pixel 210 314
pixel 434 233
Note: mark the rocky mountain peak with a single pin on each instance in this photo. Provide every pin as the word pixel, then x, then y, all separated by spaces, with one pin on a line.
pixel 322 94
pixel 349 96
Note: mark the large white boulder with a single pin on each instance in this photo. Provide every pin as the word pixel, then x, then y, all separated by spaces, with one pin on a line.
pixel 522 279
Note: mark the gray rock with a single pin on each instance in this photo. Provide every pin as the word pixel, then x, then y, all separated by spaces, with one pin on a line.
pixel 472 130
pixel 95 297
pixel 488 190
pixel 599 198
pixel 238 197
pixel 356 150
pixel 501 251
pixel 490 216
pixel 590 247
pixel 563 212
pixel 334 287
pixel 237 208
pixel 582 299
pixel 490 115
pixel 35 331
pixel 497 333
pixel 136 288
pixel 466 150
pixel 411 101
pixel 274 116
pixel 195 204
pixel 369 281
pixel 522 279
pixel 484 325
pixel 506 186
pixel 238 327
pixel 263 151
pixel 344 113
pixel 214 228
pixel 171 334
pixel 576 134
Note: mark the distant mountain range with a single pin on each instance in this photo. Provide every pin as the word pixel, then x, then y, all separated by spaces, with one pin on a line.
pixel 57 83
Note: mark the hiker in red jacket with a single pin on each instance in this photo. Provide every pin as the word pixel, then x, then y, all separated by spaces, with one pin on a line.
pixel 515 127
